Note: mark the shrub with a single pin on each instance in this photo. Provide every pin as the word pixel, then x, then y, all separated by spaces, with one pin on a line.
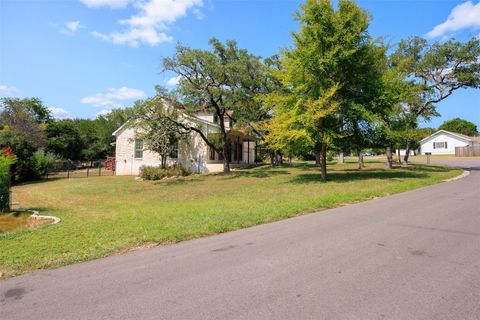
pixel 43 164
pixel 5 163
pixel 158 173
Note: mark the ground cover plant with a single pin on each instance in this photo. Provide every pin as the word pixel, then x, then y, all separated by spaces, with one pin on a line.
pixel 104 215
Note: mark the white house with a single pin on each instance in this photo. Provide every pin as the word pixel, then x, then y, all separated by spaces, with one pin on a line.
pixel 192 152
pixel 444 142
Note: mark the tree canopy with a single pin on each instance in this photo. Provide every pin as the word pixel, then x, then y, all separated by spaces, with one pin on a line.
pixel 223 81
pixel 460 126
pixel 327 79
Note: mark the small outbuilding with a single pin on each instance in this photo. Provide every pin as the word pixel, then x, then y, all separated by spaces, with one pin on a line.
pixel 445 142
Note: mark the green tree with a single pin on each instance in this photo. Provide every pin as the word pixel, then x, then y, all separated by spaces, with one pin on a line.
pixel 223 81
pixel 5 162
pixel 153 125
pixel 24 117
pixel 106 124
pixel 460 126
pixel 323 76
pixel 64 139
pixel 436 71
pixel 22 128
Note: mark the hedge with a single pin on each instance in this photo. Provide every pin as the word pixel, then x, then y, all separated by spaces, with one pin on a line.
pixel 5 163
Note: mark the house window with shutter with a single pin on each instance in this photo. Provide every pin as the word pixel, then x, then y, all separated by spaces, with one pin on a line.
pixel 440 145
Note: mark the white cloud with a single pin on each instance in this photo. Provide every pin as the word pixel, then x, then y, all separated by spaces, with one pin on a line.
pixel 72 25
pixel 69 27
pixel 149 24
pixel 104 112
pixel 59 113
pixel 114 4
pixel 100 36
pixel 173 81
pixel 113 97
pixel 463 16
pixel 8 90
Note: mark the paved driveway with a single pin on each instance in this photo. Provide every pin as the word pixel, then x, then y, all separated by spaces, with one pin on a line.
pixel 414 255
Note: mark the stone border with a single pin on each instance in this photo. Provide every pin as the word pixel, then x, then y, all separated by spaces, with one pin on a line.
pixel 35 215
pixel 463 175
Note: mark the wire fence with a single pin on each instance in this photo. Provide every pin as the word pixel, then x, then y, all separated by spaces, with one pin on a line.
pixel 68 169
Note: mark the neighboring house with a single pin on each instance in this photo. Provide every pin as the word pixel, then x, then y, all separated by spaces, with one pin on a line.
pixel 192 152
pixel 403 152
pixel 445 142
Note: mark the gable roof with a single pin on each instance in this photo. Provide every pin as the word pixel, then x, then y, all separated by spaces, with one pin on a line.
pixel 457 135
pixel 114 133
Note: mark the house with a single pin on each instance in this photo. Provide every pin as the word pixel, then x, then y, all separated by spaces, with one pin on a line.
pixel 192 152
pixel 445 142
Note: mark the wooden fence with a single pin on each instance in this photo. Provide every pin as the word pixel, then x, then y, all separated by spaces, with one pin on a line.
pixel 467 151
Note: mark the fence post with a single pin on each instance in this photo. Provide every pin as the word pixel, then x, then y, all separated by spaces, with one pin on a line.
pixel 99 169
pixel 88 169
pixel 68 173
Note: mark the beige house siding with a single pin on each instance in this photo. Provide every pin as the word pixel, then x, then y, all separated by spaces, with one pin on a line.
pixel 126 163
pixel 193 152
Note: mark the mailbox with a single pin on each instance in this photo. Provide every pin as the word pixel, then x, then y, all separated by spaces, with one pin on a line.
pixel 428 154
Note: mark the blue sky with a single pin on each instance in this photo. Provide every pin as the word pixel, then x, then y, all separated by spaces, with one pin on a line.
pixel 84 57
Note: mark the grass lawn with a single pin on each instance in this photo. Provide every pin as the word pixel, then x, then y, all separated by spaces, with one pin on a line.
pixel 104 215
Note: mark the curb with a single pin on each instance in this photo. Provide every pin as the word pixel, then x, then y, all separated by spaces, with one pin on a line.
pixel 463 175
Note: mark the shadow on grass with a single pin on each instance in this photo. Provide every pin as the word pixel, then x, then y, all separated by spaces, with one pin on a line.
pixel 181 180
pixel 346 176
pixel 263 173
pixel 24 183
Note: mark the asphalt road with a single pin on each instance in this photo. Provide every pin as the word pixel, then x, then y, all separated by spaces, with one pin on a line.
pixel 414 255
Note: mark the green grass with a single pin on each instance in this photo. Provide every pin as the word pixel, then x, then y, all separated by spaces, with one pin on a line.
pixel 104 215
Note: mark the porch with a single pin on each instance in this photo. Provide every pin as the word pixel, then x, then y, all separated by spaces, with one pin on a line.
pixel 243 150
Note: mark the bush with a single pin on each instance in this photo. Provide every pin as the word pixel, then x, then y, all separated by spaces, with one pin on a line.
pixel 5 163
pixel 158 173
pixel 43 164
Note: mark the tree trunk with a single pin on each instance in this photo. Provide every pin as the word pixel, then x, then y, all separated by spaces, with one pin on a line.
pixel 318 154
pixel 341 157
pixel 226 161
pixel 272 158
pixel 162 161
pixel 389 163
pixel 317 159
pixel 289 158
pixel 361 164
pixel 407 152
pixel 399 157
pixel 324 161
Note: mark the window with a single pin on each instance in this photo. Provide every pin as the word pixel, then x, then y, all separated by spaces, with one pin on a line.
pixel 212 154
pixel 138 149
pixel 237 151
pixel 174 150
pixel 440 145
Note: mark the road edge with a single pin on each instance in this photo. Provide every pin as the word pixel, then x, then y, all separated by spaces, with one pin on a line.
pixel 464 174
